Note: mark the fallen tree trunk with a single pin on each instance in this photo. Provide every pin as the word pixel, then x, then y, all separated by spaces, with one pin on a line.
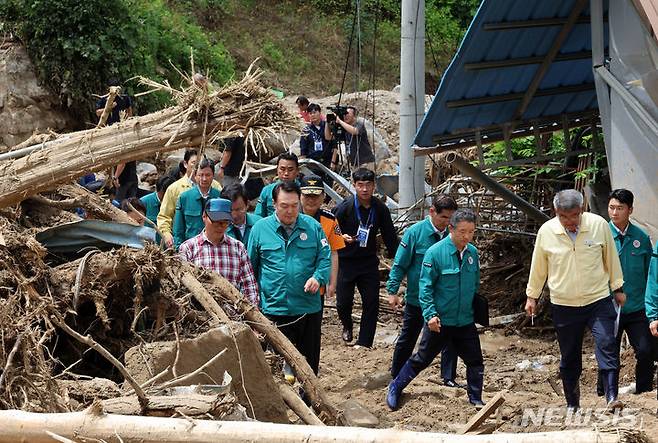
pixel 188 405
pixel 79 197
pixel 239 109
pixel 25 426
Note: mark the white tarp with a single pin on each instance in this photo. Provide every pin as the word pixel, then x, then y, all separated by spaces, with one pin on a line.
pixel 633 153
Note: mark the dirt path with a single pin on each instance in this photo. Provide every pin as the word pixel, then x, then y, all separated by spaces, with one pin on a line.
pixel 349 373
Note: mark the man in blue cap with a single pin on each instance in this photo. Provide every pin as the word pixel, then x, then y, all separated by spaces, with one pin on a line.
pixel 292 261
pixel 214 250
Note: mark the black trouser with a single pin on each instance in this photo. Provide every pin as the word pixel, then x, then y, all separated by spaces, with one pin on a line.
pixel 412 324
pixel 364 274
pixel 570 323
pixel 636 326
pixel 464 339
pixel 305 332
pixel 126 190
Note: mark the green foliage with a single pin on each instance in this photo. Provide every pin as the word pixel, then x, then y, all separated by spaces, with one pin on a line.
pixel 78 46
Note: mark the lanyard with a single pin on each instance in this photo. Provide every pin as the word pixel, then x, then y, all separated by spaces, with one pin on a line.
pixel 371 214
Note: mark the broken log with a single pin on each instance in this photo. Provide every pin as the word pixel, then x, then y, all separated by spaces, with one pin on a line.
pixel 297 405
pixel 244 109
pixel 254 318
pixel 26 426
pixel 188 405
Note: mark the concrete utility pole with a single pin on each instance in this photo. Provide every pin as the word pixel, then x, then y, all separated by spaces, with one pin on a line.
pixel 412 100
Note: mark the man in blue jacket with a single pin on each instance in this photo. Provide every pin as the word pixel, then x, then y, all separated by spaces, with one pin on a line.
pixel 292 261
pixel 634 249
pixel 408 262
pixel 449 279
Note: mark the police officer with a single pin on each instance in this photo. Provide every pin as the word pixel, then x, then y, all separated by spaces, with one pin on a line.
pixel 408 261
pixel 634 249
pixel 243 221
pixel 449 279
pixel 360 217
pixel 292 260
pixel 287 169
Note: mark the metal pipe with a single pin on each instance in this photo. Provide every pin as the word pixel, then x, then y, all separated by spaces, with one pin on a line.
pixel 476 174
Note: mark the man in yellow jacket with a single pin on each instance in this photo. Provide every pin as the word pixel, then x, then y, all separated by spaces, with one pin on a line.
pixel 168 206
pixel 576 254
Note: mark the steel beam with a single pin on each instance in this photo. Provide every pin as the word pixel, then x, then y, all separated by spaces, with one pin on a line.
pixel 522 61
pixel 476 174
pixel 536 23
pixel 519 96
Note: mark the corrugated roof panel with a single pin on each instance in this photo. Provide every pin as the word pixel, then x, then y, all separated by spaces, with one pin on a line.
pixel 484 44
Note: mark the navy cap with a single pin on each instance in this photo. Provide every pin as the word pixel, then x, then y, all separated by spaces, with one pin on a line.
pixel 219 209
pixel 312 184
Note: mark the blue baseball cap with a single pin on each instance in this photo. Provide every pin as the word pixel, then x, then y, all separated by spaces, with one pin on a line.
pixel 219 209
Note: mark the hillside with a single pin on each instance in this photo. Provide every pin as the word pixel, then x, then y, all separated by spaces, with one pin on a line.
pixel 303 46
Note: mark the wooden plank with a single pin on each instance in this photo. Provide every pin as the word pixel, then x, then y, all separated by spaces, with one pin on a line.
pixel 538 141
pixel 483 414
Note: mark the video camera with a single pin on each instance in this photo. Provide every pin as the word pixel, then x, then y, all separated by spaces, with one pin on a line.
pixel 337 130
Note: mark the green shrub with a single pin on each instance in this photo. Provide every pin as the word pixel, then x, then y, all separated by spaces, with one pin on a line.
pixel 77 46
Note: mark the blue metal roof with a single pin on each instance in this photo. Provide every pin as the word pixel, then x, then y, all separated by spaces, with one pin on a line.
pixel 506 31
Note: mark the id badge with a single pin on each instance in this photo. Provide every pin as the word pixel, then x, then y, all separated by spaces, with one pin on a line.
pixel 362 236
pixel 317 146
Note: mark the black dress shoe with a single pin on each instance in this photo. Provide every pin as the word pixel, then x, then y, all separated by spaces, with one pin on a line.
pixel 452 384
pixel 479 404
pixel 347 335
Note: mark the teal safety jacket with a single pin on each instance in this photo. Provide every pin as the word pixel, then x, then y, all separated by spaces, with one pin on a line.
pixel 634 251
pixel 283 264
pixel 446 286
pixel 409 258
pixel 235 233
pixel 651 295
pixel 188 221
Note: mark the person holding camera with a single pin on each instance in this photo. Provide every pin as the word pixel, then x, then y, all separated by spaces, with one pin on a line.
pixel 314 143
pixel 357 146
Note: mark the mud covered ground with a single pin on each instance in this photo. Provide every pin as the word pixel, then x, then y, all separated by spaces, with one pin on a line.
pixel 356 373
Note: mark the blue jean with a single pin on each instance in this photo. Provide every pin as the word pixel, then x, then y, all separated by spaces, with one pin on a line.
pixel 570 323
pixel 412 325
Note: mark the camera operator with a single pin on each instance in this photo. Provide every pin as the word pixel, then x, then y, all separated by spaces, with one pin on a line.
pixel 359 152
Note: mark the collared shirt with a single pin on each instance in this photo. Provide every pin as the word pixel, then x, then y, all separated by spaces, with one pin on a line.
pixel 229 259
pixel 415 242
pixel 651 294
pixel 381 221
pixel 447 284
pixel 578 273
pixel 242 235
pixel 634 248
pixel 284 265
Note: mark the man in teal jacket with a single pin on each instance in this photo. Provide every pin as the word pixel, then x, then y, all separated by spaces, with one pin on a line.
pixel 634 248
pixel 408 262
pixel 292 260
pixel 188 221
pixel 243 221
pixel 449 279
pixel 287 169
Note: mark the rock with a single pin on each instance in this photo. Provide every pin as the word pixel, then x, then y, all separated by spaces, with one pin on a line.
pixel 258 383
pixel 377 380
pixel 356 414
